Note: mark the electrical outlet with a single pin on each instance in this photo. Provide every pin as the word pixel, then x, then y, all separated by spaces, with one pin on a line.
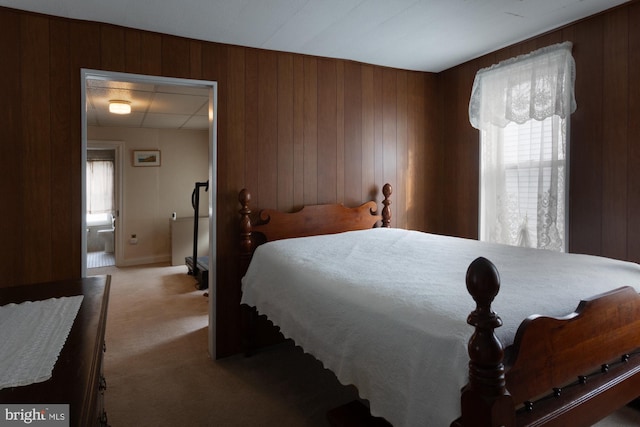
pixel 133 240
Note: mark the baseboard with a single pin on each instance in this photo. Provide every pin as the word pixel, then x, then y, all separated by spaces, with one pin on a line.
pixel 146 260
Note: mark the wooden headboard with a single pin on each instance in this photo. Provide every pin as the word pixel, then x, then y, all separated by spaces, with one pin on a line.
pixel 309 221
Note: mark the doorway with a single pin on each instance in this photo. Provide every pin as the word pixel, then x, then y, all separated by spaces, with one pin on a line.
pixel 104 201
pixel 138 92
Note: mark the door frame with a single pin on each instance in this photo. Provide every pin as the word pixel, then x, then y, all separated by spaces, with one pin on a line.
pixel 212 86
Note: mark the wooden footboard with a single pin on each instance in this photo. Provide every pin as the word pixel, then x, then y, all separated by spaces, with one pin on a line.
pixel 573 370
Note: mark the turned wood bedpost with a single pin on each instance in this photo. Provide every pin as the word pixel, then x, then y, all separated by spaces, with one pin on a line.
pixel 250 319
pixel 246 244
pixel 386 211
pixel 485 400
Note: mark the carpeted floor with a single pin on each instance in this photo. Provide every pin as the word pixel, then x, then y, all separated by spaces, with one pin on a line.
pixel 159 372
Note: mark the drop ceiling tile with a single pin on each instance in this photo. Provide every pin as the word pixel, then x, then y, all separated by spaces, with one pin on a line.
pixel 104 118
pixel 197 122
pixel 183 90
pixel 165 121
pixel 176 103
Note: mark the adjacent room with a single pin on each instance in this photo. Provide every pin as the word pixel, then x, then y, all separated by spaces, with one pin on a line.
pixel 410 213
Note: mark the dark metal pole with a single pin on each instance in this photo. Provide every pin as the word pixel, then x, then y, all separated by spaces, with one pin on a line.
pixel 195 202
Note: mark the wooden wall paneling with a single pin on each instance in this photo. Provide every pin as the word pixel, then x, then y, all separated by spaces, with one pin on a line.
pixel 368 163
pixel 461 142
pixel 215 68
pixel 12 225
pixel 428 147
pixel 459 167
pixel 132 51
pixel 62 174
pixel 378 131
pixel 285 157
pixel 420 165
pixel 151 53
pixel 251 155
pixel 633 147
pixel 340 141
pixel 452 124
pixel 529 46
pixel 176 56
pixel 448 167
pixel 268 127
pixel 84 52
pixel 389 140
pixel 327 131
pixel 298 130
pixel 468 185
pixel 85 48
pixel 549 39
pixel 233 165
pixel 352 134
pixel 36 263
pixel 112 47
pixel 231 174
pixel 585 188
pixel 614 138
pixel 402 156
pixel 310 162
pixel 461 147
pixel 514 50
pixel 195 57
pixel 215 60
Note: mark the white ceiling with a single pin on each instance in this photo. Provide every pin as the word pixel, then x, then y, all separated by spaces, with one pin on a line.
pixel 152 105
pixel 423 35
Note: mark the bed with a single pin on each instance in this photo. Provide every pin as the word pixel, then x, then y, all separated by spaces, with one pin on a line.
pixel 384 309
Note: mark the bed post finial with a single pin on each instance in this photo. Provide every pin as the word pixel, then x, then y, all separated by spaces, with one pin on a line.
pixel 485 399
pixel 246 244
pixel 386 211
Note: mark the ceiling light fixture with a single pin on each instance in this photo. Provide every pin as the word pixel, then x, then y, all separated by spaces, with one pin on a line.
pixel 119 107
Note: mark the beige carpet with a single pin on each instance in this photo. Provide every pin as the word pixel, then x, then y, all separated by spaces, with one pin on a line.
pixel 159 373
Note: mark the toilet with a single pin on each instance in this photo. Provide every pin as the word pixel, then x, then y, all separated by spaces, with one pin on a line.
pixel 107 236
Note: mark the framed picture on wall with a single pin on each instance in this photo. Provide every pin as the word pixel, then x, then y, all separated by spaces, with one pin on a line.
pixel 146 158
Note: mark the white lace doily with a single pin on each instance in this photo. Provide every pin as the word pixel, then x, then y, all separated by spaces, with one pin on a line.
pixel 32 336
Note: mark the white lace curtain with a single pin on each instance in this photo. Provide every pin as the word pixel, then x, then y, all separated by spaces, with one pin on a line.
pixel 521 106
pixel 100 194
pixel 533 86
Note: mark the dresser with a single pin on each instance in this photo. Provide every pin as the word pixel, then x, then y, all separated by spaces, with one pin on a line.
pixel 77 378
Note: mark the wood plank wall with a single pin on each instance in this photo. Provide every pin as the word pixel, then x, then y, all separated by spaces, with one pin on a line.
pixel 293 129
pixel 604 216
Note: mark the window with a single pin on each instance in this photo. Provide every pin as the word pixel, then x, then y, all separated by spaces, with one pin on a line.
pixel 522 108
pixel 100 182
pixel 527 164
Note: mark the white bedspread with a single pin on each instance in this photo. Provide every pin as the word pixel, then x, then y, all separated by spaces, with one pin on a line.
pixel 32 336
pixel 386 309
